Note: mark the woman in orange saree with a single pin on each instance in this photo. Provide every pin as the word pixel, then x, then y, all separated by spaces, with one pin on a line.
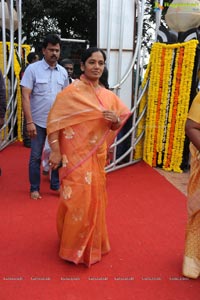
pixel 81 125
pixel 191 263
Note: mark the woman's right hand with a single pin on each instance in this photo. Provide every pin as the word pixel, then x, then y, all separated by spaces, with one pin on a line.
pixel 55 159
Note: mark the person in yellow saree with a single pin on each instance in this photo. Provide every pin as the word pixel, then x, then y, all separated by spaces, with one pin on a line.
pixel 82 123
pixel 191 262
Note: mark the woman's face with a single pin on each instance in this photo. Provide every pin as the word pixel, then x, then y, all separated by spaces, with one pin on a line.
pixel 94 66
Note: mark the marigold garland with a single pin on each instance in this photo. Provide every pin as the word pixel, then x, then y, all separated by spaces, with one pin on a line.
pixel 17 69
pixel 170 73
pixel 158 108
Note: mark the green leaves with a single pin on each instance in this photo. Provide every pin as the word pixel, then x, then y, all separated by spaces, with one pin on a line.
pixel 71 19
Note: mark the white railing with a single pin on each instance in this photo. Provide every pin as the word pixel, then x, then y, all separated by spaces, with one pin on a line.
pixel 10 23
pixel 120 34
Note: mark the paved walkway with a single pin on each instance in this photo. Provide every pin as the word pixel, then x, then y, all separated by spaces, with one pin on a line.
pixel 179 180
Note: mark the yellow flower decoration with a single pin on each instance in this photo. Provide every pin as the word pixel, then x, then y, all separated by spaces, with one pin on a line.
pixel 17 69
pixel 170 72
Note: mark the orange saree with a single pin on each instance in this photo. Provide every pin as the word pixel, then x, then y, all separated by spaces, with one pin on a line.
pixel 83 138
pixel 191 264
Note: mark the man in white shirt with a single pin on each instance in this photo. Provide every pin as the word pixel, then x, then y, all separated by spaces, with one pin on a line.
pixel 40 84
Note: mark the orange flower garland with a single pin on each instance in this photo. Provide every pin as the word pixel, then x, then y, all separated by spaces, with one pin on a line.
pixel 174 106
pixel 170 75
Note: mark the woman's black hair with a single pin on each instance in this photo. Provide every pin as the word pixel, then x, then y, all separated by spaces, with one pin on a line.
pixel 88 52
pixel 104 78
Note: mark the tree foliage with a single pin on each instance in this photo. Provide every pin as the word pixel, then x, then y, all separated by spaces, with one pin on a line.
pixel 151 6
pixel 71 19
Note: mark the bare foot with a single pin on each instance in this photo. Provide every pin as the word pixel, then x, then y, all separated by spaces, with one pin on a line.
pixel 35 195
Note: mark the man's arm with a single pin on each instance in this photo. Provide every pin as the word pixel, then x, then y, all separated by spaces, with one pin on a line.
pixel 26 104
pixel 31 129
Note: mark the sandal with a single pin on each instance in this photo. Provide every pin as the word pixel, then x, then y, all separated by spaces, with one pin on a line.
pixel 35 195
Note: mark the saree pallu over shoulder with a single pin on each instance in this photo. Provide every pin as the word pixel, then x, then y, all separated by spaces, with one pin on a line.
pixel 79 102
pixel 83 138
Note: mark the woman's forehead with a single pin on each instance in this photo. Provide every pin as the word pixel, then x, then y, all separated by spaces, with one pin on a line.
pixel 97 55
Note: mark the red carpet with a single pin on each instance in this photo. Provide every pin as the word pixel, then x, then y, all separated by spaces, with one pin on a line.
pixel 146 219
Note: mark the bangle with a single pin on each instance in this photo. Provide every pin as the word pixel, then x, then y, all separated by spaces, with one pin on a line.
pixel 29 123
pixel 54 141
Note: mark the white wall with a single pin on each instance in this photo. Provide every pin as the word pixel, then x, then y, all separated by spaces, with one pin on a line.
pixel 116 37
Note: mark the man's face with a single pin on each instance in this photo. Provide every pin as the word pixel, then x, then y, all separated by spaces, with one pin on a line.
pixel 69 68
pixel 51 54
